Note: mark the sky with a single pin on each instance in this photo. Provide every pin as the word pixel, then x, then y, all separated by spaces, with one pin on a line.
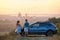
pixel 30 7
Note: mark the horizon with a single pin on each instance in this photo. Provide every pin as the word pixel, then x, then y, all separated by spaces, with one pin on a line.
pixel 32 15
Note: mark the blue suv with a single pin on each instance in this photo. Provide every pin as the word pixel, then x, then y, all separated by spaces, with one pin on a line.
pixel 46 28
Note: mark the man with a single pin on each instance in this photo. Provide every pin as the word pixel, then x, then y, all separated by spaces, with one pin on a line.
pixel 26 25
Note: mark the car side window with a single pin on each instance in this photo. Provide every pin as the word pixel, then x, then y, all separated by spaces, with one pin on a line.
pixel 43 24
pixel 36 25
pixel 50 25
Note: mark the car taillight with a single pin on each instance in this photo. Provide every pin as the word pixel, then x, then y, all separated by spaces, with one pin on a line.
pixel 55 26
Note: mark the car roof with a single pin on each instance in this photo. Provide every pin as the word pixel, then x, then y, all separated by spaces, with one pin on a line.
pixel 41 23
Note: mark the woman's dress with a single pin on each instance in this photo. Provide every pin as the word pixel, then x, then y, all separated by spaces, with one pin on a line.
pixel 18 29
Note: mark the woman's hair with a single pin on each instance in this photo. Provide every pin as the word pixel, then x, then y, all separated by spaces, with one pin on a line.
pixel 18 22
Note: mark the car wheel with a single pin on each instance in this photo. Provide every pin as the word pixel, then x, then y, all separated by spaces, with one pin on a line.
pixel 49 33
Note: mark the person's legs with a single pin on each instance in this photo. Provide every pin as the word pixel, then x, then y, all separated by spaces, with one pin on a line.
pixel 26 31
pixel 22 32
pixel 17 35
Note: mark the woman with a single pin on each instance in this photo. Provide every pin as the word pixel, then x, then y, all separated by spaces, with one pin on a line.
pixel 18 29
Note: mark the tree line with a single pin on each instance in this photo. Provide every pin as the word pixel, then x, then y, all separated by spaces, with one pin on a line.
pixel 54 20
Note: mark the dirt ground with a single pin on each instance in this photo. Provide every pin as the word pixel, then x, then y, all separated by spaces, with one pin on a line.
pixel 55 37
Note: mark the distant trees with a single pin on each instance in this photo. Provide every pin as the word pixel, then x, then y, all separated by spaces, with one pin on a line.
pixel 54 20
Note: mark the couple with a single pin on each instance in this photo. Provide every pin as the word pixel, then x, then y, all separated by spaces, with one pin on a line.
pixel 24 30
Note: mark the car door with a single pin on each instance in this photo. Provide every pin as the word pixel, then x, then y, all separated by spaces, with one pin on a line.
pixel 34 28
pixel 43 28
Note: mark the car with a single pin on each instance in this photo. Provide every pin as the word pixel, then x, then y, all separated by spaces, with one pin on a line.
pixel 46 28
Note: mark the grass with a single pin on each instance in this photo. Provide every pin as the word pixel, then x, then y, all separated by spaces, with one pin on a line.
pixel 58 28
pixel 8 36
pixel 12 34
pixel 57 24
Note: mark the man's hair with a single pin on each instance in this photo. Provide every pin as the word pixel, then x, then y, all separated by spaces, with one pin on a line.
pixel 17 21
pixel 26 20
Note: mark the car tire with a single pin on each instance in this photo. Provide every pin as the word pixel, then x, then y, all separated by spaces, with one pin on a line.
pixel 49 33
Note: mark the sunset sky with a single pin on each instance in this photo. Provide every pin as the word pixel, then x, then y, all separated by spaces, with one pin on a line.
pixel 31 7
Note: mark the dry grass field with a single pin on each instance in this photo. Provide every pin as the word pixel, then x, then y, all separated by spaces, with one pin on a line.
pixel 8 26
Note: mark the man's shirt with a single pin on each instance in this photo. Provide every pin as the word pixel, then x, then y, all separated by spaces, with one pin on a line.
pixel 26 24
